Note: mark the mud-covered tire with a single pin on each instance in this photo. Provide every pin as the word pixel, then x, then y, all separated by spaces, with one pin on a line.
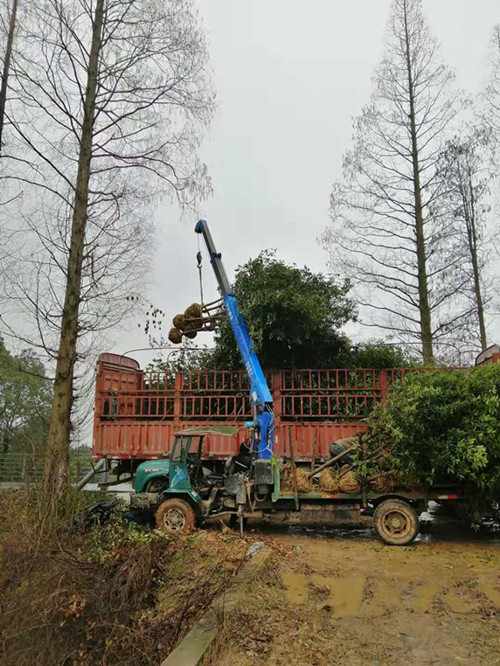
pixel 396 522
pixel 175 516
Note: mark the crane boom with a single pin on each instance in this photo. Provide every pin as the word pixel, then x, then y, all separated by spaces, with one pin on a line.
pixel 260 396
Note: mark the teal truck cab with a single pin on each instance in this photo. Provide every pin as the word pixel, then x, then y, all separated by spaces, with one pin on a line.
pixel 179 488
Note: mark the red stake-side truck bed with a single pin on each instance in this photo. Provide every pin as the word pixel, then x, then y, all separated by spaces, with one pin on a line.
pixel 136 414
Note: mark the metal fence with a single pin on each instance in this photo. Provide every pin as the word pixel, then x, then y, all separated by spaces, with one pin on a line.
pixel 23 469
pixel 298 395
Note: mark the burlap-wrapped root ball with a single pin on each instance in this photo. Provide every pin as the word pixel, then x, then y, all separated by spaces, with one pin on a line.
pixel 175 336
pixel 287 480
pixel 193 324
pixel 194 311
pixel 329 480
pixel 304 484
pixel 385 482
pixel 190 334
pixel 179 321
pixel 348 483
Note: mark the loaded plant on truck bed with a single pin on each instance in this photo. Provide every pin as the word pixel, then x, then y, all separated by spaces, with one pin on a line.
pixel 442 426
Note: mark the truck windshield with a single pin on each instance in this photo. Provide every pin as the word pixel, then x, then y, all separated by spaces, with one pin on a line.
pixel 185 445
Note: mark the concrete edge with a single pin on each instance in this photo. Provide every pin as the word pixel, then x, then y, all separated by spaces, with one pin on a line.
pixel 196 643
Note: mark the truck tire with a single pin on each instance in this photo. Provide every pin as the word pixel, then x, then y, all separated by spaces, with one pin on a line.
pixel 396 522
pixel 175 516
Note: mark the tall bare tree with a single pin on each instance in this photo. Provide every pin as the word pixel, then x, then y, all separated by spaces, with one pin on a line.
pixel 9 28
pixel 466 169
pixel 493 89
pixel 111 97
pixel 388 232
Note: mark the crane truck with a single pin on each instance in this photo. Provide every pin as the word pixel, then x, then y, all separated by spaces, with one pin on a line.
pixel 255 483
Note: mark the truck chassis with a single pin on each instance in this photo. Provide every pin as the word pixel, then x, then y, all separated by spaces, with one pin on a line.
pixel 193 495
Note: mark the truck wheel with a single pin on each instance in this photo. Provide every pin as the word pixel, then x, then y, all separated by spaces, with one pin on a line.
pixel 396 522
pixel 175 516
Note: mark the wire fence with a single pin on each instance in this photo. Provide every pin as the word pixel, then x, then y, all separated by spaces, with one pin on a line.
pixel 22 468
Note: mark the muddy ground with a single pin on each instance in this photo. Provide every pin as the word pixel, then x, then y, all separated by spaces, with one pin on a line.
pixel 345 598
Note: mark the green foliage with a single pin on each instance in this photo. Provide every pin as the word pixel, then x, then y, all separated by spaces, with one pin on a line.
pixel 379 355
pixel 294 315
pixel 188 359
pixel 443 425
pixel 25 397
pixel 103 542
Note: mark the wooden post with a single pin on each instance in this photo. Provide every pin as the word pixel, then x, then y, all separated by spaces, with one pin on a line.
pixel 178 399
pixel 383 384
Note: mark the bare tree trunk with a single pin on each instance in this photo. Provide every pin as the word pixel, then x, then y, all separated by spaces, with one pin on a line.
pixel 56 473
pixel 96 84
pixel 423 293
pixel 479 302
pixel 6 67
pixel 470 221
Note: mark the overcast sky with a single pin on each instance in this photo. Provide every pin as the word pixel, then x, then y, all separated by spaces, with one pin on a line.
pixel 290 76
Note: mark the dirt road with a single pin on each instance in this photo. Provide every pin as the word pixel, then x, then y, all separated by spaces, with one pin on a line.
pixel 350 601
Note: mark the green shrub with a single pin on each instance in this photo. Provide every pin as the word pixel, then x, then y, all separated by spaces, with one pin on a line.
pixel 442 426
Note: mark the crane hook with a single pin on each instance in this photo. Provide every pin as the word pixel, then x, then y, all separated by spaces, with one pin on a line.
pixel 199 266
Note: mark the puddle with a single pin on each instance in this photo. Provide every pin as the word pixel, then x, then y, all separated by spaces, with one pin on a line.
pixel 436 525
pixel 340 597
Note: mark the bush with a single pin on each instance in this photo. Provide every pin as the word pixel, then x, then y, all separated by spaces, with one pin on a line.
pixel 377 354
pixel 442 426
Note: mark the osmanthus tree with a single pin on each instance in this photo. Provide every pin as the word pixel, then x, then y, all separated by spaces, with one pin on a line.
pixel 441 427
pixel 109 101
pixel 388 228
pixel 294 316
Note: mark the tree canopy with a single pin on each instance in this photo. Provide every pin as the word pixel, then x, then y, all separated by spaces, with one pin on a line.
pixel 25 395
pixel 294 315
pixel 378 354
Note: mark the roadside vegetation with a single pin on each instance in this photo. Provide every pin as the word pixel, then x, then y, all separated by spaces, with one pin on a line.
pixel 113 594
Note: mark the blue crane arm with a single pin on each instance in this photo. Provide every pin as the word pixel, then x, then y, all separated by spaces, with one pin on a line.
pixel 260 396
pixel 258 383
